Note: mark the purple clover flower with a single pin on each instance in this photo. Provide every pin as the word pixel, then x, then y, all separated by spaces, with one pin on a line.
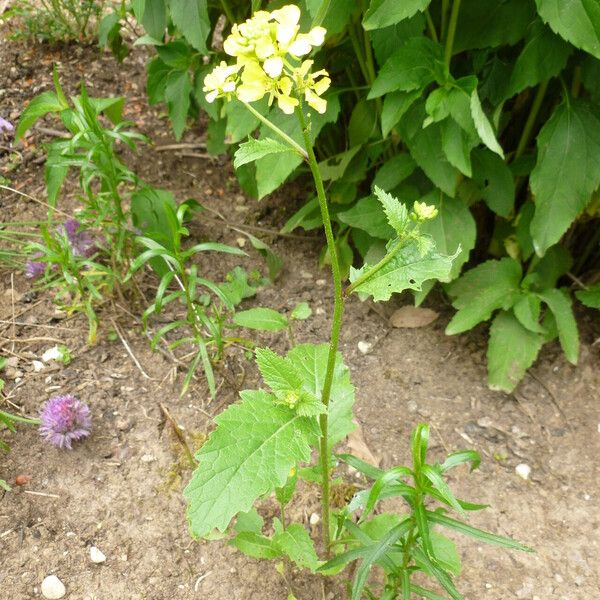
pixel 35 268
pixel 5 125
pixel 81 242
pixel 65 419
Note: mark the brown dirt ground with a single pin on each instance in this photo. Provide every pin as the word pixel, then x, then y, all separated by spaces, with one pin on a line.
pixel 120 490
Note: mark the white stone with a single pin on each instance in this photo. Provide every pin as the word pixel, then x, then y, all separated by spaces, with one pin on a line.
pixel 314 518
pixel 38 365
pixel 97 556
pixel 53 353
pixel 523 471
pixel 53 588
pixel 148 458
pixel 364 347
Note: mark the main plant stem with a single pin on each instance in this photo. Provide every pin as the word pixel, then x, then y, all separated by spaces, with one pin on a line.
pixel 338 312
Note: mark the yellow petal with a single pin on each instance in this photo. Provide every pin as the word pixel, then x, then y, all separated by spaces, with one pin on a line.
pixel 287 104
pixel 316 35
pixel 300 47
pixel 321 86
pixel 250 92
pixel 315 102
pixel 273 66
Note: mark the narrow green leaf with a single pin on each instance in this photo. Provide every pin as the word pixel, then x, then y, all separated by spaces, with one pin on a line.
pixel 444 579
pixel 483 126
pixel 442 487
pixel 478 534
pixel 527 309
pixel 461 457
pixel 265 319
pixel 41 105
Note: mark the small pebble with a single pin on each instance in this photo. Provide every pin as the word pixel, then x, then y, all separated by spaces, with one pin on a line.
pixel 523 471
pixel 314 519
pixel 321 282
pixel 53 353
pixel 148 458
pixel 97 556
pixel 364 347
pixel 558 577
pixel 321 311
pixel 38 365
pixel 412 406
pixel 53 588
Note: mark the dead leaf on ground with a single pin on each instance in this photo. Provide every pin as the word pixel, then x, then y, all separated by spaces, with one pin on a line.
pixel 413 316
pixel 358 447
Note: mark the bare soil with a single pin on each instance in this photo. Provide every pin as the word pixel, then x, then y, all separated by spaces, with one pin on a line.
pixel 121 489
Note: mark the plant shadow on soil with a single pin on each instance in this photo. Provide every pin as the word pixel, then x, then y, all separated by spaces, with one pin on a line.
pixel 120 490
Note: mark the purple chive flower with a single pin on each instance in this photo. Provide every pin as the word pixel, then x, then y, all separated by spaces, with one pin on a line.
pixel 35 268
pixel 64 419
pixel 5 125
pixel 81 242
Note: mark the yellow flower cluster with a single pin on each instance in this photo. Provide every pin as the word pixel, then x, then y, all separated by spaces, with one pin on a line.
pixel 268 48
pixel 424 212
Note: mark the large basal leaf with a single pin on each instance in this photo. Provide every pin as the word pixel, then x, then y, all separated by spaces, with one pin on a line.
pixel 561 306
pixel 177 96
pixel 512 349
pixel 495 180
pixel 388 40
pixel 154 18
pixel 426 148
pixel 544 55
pixel 412 67
pixel 254 149
pixel 578 21
pixel 492 23
pixel 191 18
pixel 310 362
pixel 590 297
pixel 382 13
pixel 566 173
pixel 395 104
pixel 407 270
pixel 452 230
pixel 479 292
pixel 251 452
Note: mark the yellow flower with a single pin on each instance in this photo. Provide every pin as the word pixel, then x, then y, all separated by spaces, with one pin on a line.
pixel 221 81
pixel 424 212
pixel 267 47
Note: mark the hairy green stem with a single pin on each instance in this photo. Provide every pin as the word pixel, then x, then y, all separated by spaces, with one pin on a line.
pixel 531 119
pixel 19 419
pixel 338 312
pixel 451 32
pixel 278 131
